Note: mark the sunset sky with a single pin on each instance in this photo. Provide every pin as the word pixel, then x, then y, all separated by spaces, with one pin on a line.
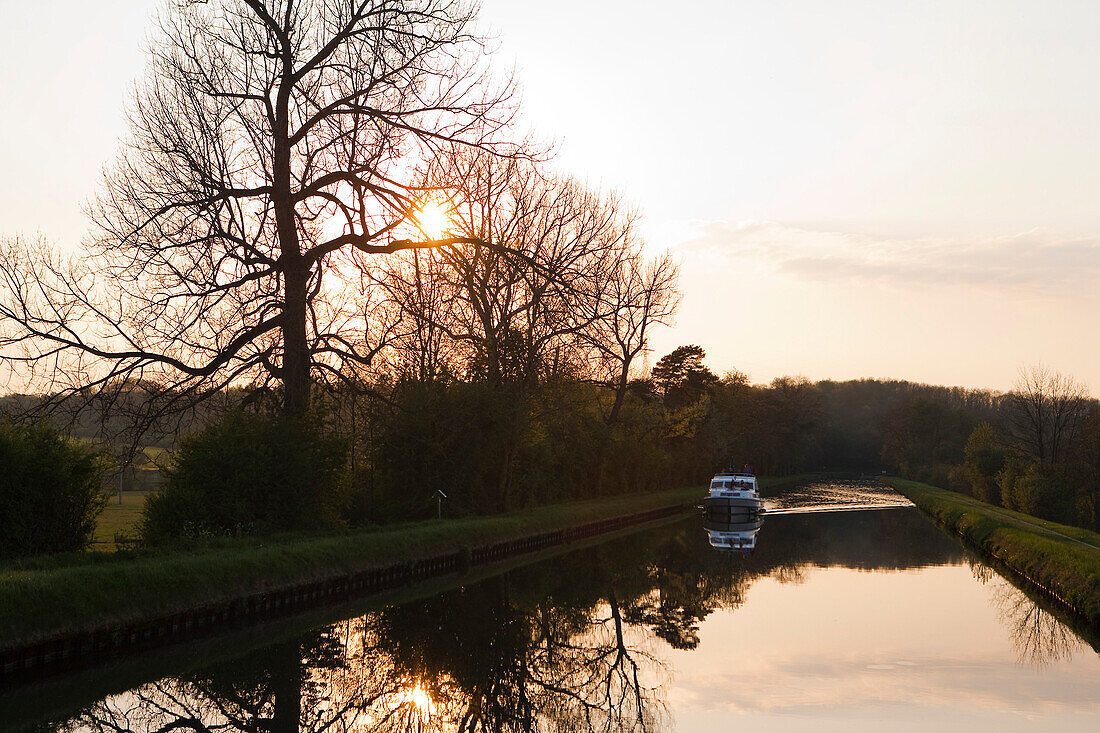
pixel 854 189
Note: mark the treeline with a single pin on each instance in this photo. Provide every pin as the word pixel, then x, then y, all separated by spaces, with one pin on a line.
pixel 382 451
pixel 490 447
pixel 1035 449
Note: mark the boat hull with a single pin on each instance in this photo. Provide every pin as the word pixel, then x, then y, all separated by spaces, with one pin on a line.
pixel 732 504
pixel 727 525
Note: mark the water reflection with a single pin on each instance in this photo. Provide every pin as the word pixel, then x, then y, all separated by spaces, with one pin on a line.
pixel 492 657
pixel 736 533
pixel 605 639
pixel 836 494
pixel 1039 636
pixel 509 655
pixel 316 683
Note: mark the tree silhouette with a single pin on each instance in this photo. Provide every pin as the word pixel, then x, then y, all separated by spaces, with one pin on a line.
pixel 681 377
pixel 275 146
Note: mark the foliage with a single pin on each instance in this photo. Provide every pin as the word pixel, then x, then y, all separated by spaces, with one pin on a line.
pixel 491 447
pixel 441 437
pixel 248 474
pixel 681 377
pixel 1039 492
pixel 922 433
pixel 985 457
pixel 51 490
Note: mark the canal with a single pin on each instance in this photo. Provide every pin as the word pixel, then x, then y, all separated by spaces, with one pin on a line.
pixel 844 610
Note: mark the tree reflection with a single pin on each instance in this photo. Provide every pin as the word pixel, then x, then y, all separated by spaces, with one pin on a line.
pixel 494 661
pixel 1039 637
pixel 486 658
pixel 314 684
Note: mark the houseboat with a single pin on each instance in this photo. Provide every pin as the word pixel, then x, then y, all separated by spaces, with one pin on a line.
pixel 733 493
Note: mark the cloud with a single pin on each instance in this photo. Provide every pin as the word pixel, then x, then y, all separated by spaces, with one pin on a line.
pixel 1035 261
pixel 814 679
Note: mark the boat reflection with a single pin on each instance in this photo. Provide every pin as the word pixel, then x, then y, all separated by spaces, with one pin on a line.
pixel 733 532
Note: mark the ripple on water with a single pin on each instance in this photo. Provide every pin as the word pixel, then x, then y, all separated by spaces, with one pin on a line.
pixel 836 494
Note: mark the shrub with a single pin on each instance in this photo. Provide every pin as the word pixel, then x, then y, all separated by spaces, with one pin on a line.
pixel 1084 510
pixel 1041 494
pixel 1010 474
pixel 940 475
pixel 985 458
pixel 51 491
pixel 248 474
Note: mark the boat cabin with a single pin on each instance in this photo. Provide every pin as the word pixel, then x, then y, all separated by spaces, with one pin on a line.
pixel 732 493
pixel 733 482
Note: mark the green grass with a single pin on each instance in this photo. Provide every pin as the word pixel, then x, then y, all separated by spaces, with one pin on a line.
pixel 42 597
pixel 117 517
pixel 1047 553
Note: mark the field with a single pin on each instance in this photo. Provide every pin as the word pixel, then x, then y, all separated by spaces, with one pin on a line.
pixel 117 517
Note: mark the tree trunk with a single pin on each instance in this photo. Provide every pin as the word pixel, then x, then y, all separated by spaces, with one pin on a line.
pixel 296 361
pixel 620 393
pixel 296 356
pixel 286 689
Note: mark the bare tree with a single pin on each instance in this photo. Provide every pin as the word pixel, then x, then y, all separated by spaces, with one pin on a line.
pixel 1046 411
pixel 516 307
pixel 423 349
pixel 642 294
pixel 270 141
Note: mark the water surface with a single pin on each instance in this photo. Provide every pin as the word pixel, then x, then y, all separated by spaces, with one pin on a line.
pixel 863 620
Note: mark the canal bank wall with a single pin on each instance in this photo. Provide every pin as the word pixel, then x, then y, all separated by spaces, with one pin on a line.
pixel 1060 561
pixel 121 632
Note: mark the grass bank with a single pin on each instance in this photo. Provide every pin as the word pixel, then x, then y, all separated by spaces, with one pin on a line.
pixel 1063 561
pixel 47 597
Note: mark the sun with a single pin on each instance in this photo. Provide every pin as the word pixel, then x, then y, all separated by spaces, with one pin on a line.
pixel 433 219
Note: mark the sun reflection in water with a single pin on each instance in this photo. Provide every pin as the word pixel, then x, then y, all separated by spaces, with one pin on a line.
pixel 419 698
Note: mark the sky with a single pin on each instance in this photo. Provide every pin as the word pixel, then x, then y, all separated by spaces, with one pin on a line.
pixel 853 189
